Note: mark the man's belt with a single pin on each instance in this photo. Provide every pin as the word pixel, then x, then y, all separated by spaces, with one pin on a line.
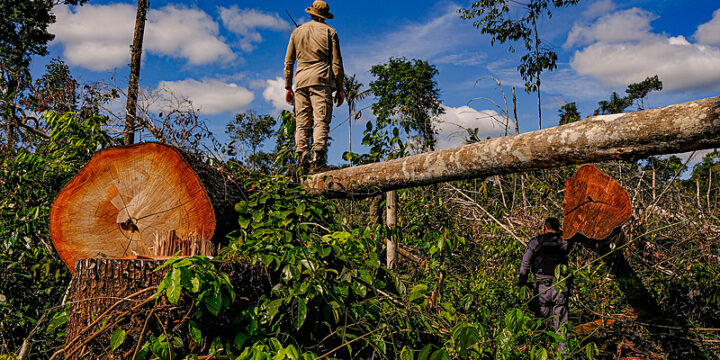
pixel 546 282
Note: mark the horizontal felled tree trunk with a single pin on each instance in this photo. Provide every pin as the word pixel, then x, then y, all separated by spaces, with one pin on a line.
pixel 683 127
pixel 130 201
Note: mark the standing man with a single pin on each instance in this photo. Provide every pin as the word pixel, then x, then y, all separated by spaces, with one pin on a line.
pixel 316 48
pixel 543 254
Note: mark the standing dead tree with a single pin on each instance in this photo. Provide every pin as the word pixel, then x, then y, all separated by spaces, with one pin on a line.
pixel 135 62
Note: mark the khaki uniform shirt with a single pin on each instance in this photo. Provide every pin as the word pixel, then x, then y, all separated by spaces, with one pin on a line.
pixel 316 48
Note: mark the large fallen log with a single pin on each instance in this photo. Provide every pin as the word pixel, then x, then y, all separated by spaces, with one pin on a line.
pixel 677 128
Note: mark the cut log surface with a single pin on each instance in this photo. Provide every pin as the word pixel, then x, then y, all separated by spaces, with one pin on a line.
pixel 125 197
pixel 595 204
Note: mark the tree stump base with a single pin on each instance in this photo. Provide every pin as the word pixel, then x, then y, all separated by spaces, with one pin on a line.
pixel 111 294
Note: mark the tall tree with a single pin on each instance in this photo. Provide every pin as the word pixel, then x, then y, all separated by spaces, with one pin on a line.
pixel 135 62
pixel 516 20
pixel 569 113
pixel 23 33
pixel 352 96
pixel 55 90
pixel 636 94
pixel 251 130
pixel 406 91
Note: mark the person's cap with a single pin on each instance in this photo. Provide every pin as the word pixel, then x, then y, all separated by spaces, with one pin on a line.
pixel 320 9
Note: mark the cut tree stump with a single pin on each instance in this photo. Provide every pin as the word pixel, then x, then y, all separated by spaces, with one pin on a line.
pixel 595 204
pixel 127 199
pixel 118 294
pixel 595 207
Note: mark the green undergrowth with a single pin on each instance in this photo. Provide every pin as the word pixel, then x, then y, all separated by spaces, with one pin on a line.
pixel 332 296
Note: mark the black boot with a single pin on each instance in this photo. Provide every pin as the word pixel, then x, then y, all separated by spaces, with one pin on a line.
pixel 302 162
pixel 318 163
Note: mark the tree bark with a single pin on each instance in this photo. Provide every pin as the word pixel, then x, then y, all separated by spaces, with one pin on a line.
pixel 517 125
pixel 683 127
pixel 112 294
pixel 127 199
pixel 135 62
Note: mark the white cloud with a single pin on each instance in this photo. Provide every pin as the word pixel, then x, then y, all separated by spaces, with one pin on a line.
pixel 186 33
pixel 452 125
pixel 709 33
pixel 623 50
pixel 210 96
pixel 626 25
pixel 598 8
pixel 275 93
pixel 245 22
pixel 98 37
pixel 95 37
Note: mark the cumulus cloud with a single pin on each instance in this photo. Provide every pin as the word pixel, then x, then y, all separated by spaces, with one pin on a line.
pixel 627 25
pixel 98 37
pixel 598 8
pixel 622 49
pixel 274 93
pixel 709 33
pixel 452 125
pixel 210 96
pixel 186 33
pixel 245 22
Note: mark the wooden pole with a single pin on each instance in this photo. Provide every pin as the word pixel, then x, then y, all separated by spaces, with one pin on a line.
pixel 683 127
pixel 391 207
pixel 517 126
pixel 134 82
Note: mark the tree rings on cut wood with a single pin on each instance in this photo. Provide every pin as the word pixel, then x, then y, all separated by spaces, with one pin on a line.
pixel 125 197
pixel 595 204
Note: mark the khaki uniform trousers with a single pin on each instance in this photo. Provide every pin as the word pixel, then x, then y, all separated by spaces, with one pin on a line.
pixel 313 111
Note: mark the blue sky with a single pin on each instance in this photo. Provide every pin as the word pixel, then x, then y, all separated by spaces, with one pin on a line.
pixel 227 57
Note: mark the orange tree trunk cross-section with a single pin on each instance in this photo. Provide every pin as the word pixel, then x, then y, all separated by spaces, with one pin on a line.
pixel 595 204
pixel 126 196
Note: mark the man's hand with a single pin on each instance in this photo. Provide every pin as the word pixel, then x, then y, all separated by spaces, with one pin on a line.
pixel 339 98
pixel 522 280
pixel 289 96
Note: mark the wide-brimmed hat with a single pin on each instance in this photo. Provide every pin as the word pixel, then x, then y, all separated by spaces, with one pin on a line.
pixel 320 9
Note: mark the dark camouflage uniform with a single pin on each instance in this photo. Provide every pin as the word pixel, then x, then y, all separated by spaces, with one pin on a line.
pixel 553 300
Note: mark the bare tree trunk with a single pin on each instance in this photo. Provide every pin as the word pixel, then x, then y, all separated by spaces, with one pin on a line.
pixel 134 82
pixel 10 133
pixel 709 205
pixel 517 126
pixel 537 55
pixel 654 177
pixel 391 207
pixel 502 192
pixel 350 120
pixel 677 128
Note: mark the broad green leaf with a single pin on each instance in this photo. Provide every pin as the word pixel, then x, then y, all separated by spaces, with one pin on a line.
pixel 273 307
pixel 425 352
pixel 406 353
pixel 195 333
pixel 300 209
pixel 213 302
pixel 299 312
pixel 117 338
pixel 174 289
pixel 440 354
